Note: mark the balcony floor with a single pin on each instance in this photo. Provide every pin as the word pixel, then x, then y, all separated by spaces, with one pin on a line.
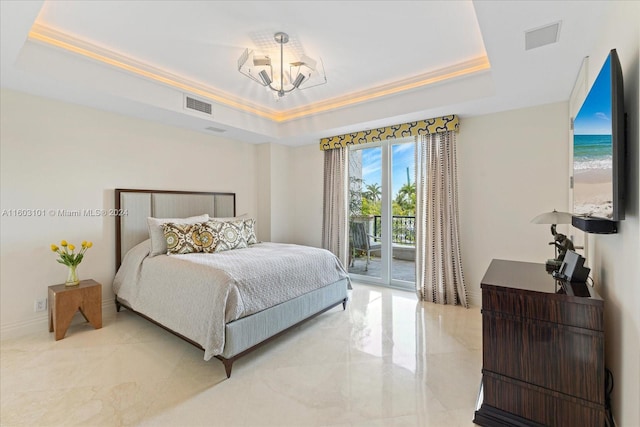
pixel 401 269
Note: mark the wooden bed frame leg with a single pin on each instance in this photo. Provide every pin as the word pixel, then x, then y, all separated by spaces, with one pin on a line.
pixel 228 364
pixel 118 306
pixel 344 304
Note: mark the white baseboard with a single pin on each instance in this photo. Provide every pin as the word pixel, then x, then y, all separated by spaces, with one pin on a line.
pixel 41 322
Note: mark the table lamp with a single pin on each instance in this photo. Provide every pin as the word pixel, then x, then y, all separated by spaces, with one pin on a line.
pixel 560 242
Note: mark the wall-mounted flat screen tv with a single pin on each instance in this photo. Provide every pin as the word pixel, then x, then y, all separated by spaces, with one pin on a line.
pixel 599 147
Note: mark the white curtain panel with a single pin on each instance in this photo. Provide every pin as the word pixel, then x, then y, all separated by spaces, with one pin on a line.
pixel 334 218
pixel 439 276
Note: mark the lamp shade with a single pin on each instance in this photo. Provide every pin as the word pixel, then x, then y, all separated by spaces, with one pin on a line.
pixel 553 217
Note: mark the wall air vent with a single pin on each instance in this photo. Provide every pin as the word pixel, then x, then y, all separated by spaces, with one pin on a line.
pixel 194 104
pixel 542 36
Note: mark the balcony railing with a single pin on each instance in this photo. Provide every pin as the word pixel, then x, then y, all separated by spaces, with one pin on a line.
pixel 403 229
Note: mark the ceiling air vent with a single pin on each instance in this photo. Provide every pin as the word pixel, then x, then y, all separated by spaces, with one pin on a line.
pixel 212 129
pixel 191 103
pixel 542 36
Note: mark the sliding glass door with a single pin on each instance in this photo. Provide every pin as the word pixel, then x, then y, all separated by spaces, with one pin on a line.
pixel 382 199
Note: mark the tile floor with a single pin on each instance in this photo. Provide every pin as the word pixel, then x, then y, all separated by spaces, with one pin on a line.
pixel 388 360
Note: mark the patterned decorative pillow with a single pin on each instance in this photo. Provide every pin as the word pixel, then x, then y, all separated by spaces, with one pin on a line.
pixel 228 218
pixel 182 238
pixel 208 237
pixel 156 232
pixel 249 231
pixel 230 234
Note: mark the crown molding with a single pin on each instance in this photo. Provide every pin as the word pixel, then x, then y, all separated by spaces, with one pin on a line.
pixel 52 37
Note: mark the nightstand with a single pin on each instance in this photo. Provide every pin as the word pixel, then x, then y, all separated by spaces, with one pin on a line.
pixel 65 301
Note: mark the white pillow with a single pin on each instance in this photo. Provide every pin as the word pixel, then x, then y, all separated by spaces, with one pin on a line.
pixel 156 231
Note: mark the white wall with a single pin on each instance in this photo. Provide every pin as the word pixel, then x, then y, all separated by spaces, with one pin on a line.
pixel 307 187
pixel 512 166
pixel 275 197
pixel 263 185
pixel 62 156
pixel 290 181
pixel 282 198
pixel 615 259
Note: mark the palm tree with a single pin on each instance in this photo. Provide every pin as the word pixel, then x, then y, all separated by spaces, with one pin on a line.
pixel 406 198
pixel 373 192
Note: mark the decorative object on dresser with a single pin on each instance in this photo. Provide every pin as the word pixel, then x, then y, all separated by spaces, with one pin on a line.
pixel 227 293
pixel 572 268
pixel 542 349
pixel 66 301
pixel 560 242
pixel 71 259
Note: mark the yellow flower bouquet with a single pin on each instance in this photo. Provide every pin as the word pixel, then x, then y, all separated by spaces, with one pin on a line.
pixel 71 259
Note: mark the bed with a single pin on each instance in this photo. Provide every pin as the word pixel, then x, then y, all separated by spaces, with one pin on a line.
pixel 227 303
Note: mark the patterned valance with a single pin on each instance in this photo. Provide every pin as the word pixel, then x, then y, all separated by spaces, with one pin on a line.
pixel 422 127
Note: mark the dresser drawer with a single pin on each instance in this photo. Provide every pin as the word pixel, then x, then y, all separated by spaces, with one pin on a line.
pixel 555 308
pixel 553 356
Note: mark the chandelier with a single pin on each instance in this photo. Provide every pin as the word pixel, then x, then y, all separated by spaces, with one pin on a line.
pixel 302 72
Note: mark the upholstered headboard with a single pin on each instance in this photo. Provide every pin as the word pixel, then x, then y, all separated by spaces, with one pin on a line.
pixel 135 206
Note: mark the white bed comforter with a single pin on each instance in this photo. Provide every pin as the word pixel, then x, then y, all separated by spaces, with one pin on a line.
pixel 196 294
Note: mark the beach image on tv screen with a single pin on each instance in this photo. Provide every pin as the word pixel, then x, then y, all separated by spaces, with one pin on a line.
pixel 593 151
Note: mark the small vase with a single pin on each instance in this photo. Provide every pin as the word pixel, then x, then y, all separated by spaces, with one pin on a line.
pixel 72 276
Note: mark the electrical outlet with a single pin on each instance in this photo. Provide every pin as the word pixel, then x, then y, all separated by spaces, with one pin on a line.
pixel 40 304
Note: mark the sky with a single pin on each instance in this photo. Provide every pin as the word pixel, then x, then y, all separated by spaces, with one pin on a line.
pixel 403 158
pixel 594 117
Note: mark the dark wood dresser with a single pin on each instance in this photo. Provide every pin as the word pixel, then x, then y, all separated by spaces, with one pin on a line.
pixel 542 349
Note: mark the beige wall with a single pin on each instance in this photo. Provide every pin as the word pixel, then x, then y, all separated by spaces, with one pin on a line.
pixel 615 259
pixel 282 198
pixel 511 167
pixel 263 185
pixel 276 200
pixel 61 156
pixel 290 194
pixel 307 187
